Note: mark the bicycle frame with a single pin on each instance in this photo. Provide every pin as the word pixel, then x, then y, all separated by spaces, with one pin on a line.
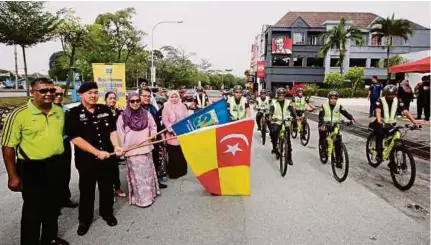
pixel 330 139
pixel 283 129
pixel 387 148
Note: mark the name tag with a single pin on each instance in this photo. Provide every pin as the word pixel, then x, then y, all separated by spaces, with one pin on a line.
pixel 82 117
pixel 426 88
pixel 102 115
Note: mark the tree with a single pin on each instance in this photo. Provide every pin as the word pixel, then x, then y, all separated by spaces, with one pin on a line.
pixel 337 38
pixel 390 28
pixel 355 75
pixel 58 65
pixel 26 24
pixel 123 36
pixel 72 35
pixel 334 79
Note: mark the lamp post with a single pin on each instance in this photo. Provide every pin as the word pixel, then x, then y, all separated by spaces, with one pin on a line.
pixel 153 69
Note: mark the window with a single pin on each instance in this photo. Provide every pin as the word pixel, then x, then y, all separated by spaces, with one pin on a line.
pixel 375 63
pixel 358 62
pixel 297 61
pixel 335 62
pixel 314 62
pixel 375 41
pixel 298 38
pixel 313 40
pixel 280 60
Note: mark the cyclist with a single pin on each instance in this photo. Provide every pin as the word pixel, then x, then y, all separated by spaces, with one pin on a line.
pixel 330 113
pixel 300 103
pixel 281 109
pixel 201 101
pixel 386 111
pixel 238 106
pixel 262 104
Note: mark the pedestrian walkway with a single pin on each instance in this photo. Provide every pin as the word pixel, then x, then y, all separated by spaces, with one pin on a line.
pixel 359 108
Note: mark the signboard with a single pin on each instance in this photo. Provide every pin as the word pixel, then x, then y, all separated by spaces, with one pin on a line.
pixel 111 77
pixel 260 69
pixel 281 45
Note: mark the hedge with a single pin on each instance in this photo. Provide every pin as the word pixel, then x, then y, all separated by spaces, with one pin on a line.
pixel 344 92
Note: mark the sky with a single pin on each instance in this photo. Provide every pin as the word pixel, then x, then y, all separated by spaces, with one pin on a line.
pixel 221 32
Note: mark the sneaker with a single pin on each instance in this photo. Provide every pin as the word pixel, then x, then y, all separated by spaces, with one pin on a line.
pixel 393 167
pixel 338 162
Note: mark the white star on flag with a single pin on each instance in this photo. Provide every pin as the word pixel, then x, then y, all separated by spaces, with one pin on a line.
pixel 233 149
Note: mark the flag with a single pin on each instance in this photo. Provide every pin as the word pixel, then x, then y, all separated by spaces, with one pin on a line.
pixel 220 156
pixel 216 113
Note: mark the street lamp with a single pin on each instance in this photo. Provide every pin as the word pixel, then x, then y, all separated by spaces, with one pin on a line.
pixel 153 69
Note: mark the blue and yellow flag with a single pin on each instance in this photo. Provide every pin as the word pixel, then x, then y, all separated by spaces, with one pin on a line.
pixel 216 113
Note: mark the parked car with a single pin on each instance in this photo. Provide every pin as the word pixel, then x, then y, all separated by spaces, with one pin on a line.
pixel 214 95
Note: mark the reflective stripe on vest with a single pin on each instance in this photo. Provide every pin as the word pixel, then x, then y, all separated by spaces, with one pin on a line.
pixel 389 115
pixel 332 116
pixel 263 105
pixel 201 103
pixel 281 113
pixel 300 103
pixel 237 111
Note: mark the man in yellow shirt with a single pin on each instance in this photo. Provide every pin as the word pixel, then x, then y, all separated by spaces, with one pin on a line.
pixel 33 133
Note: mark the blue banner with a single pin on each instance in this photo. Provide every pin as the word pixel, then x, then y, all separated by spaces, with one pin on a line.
pixel 216 113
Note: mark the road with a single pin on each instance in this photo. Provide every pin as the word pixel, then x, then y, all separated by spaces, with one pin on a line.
pixel 306 207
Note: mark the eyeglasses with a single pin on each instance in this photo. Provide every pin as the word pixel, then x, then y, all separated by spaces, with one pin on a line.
pixel 46 90
pixel 59 94
pixel 134 101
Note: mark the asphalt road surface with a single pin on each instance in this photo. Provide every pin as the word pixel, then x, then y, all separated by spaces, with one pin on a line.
pixel 306 207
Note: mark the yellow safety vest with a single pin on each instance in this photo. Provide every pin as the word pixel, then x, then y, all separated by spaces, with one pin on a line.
pixel 389 115
pixel 281 113
pixel 201 102
pixel 332 116
pixel 237 111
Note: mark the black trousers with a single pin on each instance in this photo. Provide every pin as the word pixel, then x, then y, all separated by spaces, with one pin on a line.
pixel 177 164
pixel 373 107
pixel 66 161
pixel 116 174
pixel 41 204
pixel 322 140
pixel 275 131
pixel 380 132
pixel 90 173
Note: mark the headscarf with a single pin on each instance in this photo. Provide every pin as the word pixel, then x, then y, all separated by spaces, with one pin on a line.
pixel 406 86
pixel 175 105
pixel 137 120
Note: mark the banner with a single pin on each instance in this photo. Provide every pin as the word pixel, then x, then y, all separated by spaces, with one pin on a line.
pixel 111 77
pixel 260 69
pixel 216 113
pixel 281 45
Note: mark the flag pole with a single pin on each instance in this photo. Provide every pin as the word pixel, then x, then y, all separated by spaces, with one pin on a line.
pixel 142 145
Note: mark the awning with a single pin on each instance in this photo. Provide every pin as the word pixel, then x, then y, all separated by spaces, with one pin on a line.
pixel 419 66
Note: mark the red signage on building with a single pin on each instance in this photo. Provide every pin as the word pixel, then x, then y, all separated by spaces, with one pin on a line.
pixel 260 69
pixel 281 45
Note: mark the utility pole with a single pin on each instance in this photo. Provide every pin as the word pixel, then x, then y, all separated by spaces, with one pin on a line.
pixel 16 67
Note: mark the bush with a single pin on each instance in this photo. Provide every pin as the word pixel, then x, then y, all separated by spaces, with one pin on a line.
pixel 334 79
pixel 310 89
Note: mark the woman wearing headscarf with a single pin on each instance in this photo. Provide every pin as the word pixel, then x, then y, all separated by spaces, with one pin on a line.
pixel 405 93
pixel 134 125
pixel 111 102
pixel 174 111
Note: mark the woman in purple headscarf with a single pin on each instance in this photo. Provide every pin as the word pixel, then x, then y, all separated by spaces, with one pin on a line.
pixel 133 126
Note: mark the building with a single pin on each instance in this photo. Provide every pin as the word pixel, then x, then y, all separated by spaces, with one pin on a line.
pixel 290 47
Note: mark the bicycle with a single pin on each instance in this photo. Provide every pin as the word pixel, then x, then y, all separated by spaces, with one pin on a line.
pixel 303 129
pixel 392 146
pixel 284 144
pixel 340 172
pixel 263 124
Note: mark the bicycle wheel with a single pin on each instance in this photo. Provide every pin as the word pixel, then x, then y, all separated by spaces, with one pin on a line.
pixel 293 130
pixel 263 130
pixel 371 152
pixel 283 162
pixel 340 172
pixel 403 178
pixel 323 154
pixel 305 134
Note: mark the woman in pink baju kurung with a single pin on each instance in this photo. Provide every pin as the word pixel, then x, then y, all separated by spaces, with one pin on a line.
pixel 133 126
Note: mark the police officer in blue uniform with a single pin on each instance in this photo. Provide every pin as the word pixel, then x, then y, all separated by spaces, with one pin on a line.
pixel 374 93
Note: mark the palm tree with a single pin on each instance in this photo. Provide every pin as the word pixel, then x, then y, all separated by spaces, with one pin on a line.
pixel 337 38
pixel 390 28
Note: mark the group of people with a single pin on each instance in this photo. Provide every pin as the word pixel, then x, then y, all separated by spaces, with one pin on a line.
pixel 103 136
pixel 405 95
